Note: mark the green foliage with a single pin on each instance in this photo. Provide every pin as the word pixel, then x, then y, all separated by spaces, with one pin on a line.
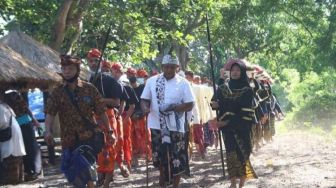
pixel 32 16
pixel 313 99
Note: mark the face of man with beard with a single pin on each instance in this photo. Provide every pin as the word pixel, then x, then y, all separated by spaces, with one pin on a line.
pixel 93 63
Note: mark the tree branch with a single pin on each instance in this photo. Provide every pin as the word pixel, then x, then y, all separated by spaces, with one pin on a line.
pixel 75 21
pixel 195 23
pixel 160 22
pixel 77 11
pixel 256 49
pixel 300 21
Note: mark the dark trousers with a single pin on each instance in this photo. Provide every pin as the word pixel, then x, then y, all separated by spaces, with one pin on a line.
pixel 51 155
pixel 31 148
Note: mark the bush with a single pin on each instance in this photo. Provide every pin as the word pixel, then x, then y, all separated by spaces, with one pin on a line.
pixel 313 98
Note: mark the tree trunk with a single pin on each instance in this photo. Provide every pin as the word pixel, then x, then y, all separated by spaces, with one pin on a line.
pixel 182 53
pixel 59 28
pixel 75 22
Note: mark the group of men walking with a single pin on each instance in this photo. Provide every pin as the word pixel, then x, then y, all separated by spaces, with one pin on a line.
pixel 137 120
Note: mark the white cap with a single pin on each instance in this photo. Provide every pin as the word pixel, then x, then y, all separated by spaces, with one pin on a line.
pixel 168 59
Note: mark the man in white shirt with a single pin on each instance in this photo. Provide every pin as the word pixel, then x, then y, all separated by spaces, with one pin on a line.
pixel 166 98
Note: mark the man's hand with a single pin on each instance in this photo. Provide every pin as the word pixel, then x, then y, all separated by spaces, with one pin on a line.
pixel 167 107
pixel 146 111
pixel 145 106
pixel 48 138
pixel 221 124
pixel 214 105
pixel 264 119
pixel 111 138
pixel 49 120
pixel 36 123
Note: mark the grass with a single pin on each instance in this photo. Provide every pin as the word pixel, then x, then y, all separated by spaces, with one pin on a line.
pixel 288 125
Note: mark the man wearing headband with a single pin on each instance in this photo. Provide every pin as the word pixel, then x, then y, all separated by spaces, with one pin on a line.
pixel 111 90
pixel 140 134
pixel 126 110
pixel 165 99
pixel 75 100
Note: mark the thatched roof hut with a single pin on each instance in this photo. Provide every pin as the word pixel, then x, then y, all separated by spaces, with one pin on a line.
pixel 36 52
pixel 16 72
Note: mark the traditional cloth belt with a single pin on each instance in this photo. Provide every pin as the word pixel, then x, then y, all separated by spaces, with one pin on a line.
pixel 24 119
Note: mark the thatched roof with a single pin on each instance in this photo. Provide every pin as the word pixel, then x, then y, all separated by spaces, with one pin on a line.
pixel 16 72
pixel 36 52
pixel 32 50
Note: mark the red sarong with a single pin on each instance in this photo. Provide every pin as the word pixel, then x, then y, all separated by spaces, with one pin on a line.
pixel 120 143
pixel 199 137
pixel 127 147
pixel 141 138
pixel 107 157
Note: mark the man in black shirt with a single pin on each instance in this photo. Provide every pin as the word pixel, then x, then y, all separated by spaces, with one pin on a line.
pixel 111 91
pixel 141 146
pixel 126 113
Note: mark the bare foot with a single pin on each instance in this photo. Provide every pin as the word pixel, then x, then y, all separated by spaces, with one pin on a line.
pixel 124 171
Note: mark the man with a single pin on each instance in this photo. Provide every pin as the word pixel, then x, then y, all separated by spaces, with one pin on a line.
pixel 198 130
pixel 142 77
pixel 166 98
pixel 111 90
pixel 140 134
pixel 106 66
pixel 126 110
pixel 75 100
pixel 193 115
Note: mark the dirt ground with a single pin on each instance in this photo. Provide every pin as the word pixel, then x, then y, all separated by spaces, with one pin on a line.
pixel 292 160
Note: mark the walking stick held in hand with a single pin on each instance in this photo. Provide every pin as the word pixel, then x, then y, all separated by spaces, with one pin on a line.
pixel 147 153
pixel 214 89
pixel 102 54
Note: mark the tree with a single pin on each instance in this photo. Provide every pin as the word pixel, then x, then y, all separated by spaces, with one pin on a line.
pixel 68 24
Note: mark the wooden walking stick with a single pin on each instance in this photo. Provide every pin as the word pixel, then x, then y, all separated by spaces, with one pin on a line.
pixel 214 89
pixel 147 153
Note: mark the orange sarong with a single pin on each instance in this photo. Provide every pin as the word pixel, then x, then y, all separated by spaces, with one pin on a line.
pixel 107 157
pixel 120 143
pixel 141 138
pixel 127 145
